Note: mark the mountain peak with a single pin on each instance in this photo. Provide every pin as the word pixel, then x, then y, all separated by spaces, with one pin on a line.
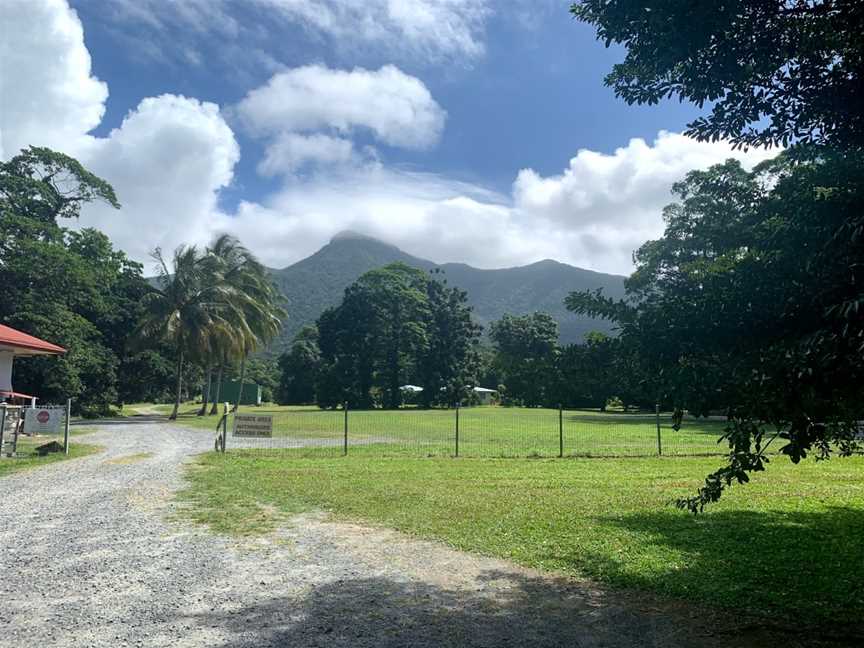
pixel 351 235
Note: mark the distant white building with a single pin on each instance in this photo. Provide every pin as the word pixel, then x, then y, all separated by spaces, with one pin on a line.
pixel 411 389
pixel 484 395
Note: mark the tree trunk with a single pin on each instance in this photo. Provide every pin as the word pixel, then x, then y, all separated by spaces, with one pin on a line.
pixel 206 396
pixel 173 416
pixel 240 387
pixel 215 408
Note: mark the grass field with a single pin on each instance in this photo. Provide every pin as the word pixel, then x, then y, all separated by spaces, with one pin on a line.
pixel 790 543
pixel 27 457
pixel 483 431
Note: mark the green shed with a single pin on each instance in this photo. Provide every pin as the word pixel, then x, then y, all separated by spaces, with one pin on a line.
pixel 230 389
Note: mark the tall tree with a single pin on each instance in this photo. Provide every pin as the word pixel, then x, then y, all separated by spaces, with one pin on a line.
pixel 300 366
pixel 448 364
pixel 70 287
pixel 251 308
pixel 527 347
pixel 183 311
pixel 396 324
pixel 750 304
pixel 753 296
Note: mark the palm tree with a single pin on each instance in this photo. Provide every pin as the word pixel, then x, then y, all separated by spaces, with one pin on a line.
pixel 184 310
pixel 254 313
pixel 214 308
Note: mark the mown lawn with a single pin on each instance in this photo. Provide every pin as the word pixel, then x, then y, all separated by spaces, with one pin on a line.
pixel 28 458
pixel 483 431
pixel 789 543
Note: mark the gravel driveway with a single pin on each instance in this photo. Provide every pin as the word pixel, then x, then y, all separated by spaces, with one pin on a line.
pixel 92 556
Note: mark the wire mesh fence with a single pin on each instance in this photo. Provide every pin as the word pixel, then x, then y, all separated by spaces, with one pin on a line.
pixel 484 431
pixel 24 430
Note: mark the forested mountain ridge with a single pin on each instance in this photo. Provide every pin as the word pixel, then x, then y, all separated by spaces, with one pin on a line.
pixel 318 282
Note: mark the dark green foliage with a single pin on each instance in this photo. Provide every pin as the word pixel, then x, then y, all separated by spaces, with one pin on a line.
pixel 774 71
pixel 211 307
pixel 42 185
pixel 266 373
pixel 396 324
pixel 147 376
pixel 319 282
pixel 603 368
pixel 752 301
pixel 448 364
pixel 752 304
pixel 527 353
pixel 300 367
pixel 71 288
pixel 587 372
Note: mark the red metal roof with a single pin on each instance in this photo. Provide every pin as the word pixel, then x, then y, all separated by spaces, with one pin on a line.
pixel 10 337
pixel 14 394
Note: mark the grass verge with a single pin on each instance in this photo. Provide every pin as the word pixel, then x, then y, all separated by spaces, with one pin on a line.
pixel 28 459
pixel 789 543
pixel 483 431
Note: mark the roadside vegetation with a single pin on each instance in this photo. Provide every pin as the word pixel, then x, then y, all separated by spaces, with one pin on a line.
pixel 28 458
pixel 605 519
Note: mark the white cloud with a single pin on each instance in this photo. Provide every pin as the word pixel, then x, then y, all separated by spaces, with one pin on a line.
pixel 290 151
pixel 396 107
pixel 423 30
pixel 593 215
pixel 47 94
pixel 172 155
pixel 167 162
pixel 599 188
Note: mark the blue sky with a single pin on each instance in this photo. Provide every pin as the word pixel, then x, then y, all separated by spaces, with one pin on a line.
pixel 534 98
pixel 461 130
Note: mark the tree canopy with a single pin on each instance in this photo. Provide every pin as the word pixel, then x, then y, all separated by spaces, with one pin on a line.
pixel 527 350
pixel 70 287
pixel 396 324
pixel 752 303
pixel 772 71
pixel 211 307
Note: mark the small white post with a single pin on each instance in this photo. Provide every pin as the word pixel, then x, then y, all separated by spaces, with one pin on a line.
pixel 2 424
pixel 66 430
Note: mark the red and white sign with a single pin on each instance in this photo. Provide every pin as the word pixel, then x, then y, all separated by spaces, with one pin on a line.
pixel 43 420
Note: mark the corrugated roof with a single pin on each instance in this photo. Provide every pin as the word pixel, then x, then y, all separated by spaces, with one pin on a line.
pixel 14 394
pixel 10 337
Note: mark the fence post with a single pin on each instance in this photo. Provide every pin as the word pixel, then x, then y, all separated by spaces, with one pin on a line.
pixel 345 431
pixel 560 431
pixel 659 441
pixel 226 407
pixel 2 424
pixel 66 430
pixel 457 428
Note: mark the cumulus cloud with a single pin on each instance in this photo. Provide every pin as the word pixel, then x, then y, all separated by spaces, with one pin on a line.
pixel 310 113
pixel 594 214
pixel 397 108
pixel 167 160
pixel 427 214
pixel 47 94
pixel 172 155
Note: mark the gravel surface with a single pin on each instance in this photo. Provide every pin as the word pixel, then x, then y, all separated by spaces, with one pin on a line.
pixel 93 555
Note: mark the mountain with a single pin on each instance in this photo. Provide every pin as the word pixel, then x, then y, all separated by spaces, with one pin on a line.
pixel 318 281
